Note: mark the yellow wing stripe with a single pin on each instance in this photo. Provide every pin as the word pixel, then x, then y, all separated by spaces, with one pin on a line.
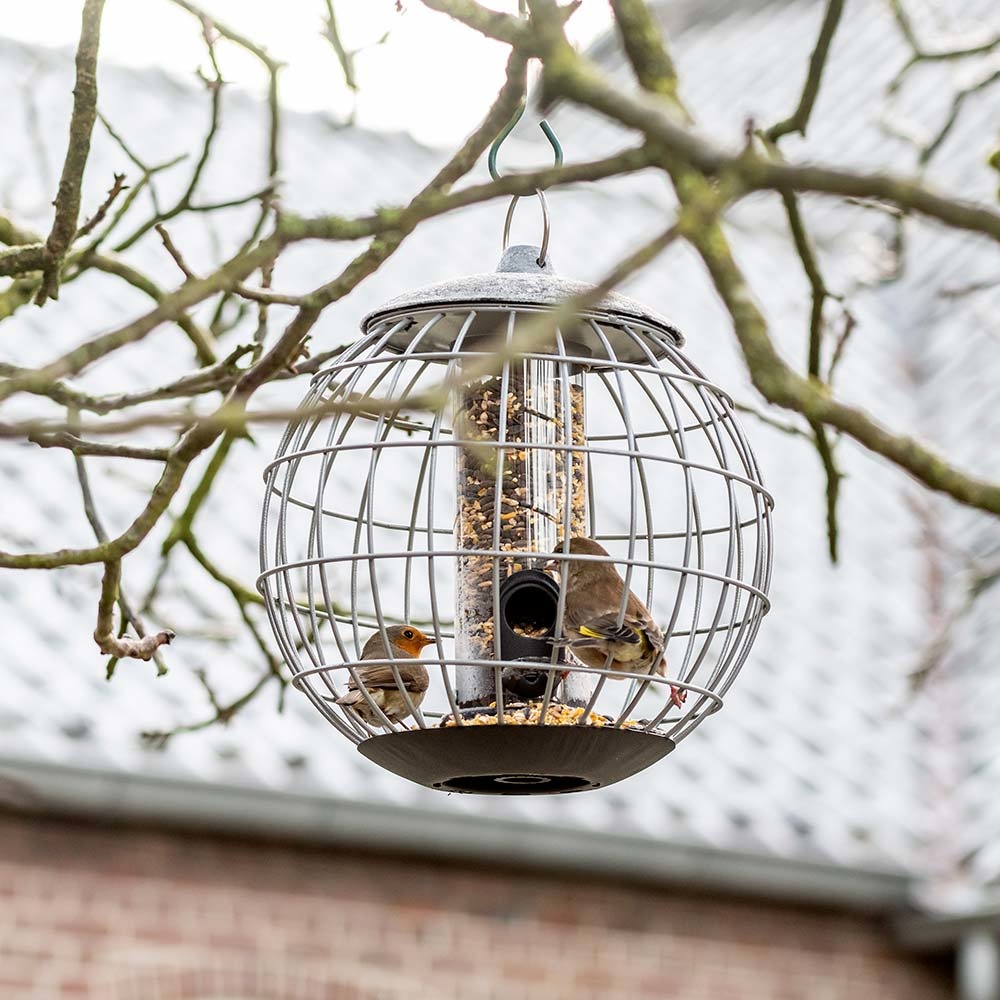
pixel 591 634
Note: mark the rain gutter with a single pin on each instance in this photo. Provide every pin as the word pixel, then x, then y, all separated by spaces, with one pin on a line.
pixel 311 817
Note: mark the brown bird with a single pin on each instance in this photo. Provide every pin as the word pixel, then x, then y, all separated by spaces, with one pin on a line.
pixel 406 642
pixel 593 603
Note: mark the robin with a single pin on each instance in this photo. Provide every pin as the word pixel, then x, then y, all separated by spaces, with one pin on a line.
pixel 406 642
pixel 590 624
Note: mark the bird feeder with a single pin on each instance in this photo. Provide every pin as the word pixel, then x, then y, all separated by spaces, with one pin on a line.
pixel 435 475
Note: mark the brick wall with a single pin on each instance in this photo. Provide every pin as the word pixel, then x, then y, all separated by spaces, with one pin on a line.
pixel 124 914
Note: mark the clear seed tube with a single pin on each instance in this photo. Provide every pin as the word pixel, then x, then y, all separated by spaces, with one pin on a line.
pixel 514 481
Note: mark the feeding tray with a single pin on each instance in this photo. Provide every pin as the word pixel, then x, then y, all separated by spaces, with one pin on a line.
pixel 516 759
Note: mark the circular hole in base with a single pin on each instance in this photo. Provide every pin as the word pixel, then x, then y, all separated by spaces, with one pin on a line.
pixel 515 784
pixel 522 779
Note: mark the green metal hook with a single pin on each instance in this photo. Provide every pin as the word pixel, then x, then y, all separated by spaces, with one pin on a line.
pixel 557 153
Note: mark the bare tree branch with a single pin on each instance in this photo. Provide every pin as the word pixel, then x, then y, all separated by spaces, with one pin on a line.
pixel 189 294
pixel 490 23
pixel 116 646
pixel 807 254
pixel 768 420
pixel 79 262
pixel 104 634
pixel 81 127
pixel 205 411
pixel 771 376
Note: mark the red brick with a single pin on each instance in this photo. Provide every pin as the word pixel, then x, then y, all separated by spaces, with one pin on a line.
pixel 118 914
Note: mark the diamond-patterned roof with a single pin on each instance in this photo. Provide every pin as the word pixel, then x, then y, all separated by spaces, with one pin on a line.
pixel 821 752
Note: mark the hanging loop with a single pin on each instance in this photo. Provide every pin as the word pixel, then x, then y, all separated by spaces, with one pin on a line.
pixel 544 249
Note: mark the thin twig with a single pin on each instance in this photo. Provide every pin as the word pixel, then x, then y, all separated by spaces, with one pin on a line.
pixel 331 33
pixel 128 616
pixel 766 418
pixel 219 377
pixel 222 715
pixel 189 294
pixel 81 447
pixel 841 343
pixel 266 297
pixel 954 111
pixel 919 54
pixel 171 249
pixel 146 171
pixel 799 119
pixel 810 265
pixel 972 288
pixel 95 220
pixel 184 202
pixel 820 293
pixel 229 33
pixel 981 580
pixel 143 648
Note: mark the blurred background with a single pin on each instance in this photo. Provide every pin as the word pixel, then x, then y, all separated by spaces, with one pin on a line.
pixel 834 832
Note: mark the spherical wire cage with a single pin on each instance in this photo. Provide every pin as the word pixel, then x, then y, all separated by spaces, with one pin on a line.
pixel 434 478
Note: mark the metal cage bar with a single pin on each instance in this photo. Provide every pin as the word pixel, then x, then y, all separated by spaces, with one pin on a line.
pixel 694 521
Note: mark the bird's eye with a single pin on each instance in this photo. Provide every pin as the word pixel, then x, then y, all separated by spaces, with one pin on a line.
pixel 408 634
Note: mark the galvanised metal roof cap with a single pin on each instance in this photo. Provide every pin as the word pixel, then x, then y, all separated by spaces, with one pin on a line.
pixel 520 283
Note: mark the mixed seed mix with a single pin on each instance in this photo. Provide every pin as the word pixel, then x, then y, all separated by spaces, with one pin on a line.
pixel 531 715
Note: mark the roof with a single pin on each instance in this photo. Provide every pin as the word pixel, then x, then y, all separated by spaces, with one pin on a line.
pixel 822 759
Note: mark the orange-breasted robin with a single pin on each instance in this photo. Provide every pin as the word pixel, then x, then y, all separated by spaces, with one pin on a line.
pixel 590 624
pixel 406 642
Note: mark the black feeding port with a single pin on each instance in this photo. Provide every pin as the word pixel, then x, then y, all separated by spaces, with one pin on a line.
pixel 528 603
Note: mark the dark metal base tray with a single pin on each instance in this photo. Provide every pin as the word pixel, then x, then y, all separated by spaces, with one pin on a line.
pixel 516 760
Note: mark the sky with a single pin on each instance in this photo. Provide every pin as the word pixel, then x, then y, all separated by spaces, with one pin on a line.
pixel 431 77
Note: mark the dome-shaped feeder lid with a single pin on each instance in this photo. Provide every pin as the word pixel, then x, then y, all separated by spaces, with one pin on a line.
pixel 520 284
